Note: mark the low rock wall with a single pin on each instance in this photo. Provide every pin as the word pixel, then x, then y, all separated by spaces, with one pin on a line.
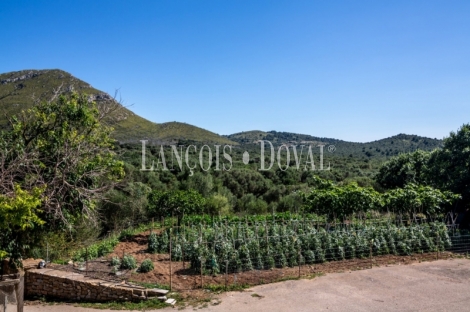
pixel 76 287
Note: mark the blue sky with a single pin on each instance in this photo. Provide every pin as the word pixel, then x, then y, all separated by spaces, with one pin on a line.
pixel 352 70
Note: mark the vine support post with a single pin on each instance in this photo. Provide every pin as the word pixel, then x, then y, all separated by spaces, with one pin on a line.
pixel 182 246
pixel 437 246
pixel 202 277
pixel 86 261
pixel 226 273
pixel 370 253
pixel 300 257
pixel 171 280
pixel 266 234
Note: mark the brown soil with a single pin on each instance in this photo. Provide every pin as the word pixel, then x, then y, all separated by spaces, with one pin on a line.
pixel 189 284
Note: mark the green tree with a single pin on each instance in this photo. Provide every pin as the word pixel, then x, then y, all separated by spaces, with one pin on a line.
pixel 176 203
pixel 18 213
pixel 340 201
pixel 414 199
pixel 404 169
pixel 218 205
pixel 449 168
pixel 62 146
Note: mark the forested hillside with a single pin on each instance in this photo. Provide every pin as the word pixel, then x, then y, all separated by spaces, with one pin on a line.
pixel 20 90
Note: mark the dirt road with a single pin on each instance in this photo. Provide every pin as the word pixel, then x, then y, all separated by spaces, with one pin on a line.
pixel 429 286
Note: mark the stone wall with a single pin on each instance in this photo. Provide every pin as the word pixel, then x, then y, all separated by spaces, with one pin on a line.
pixel 76 287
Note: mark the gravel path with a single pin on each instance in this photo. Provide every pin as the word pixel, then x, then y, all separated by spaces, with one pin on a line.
pixel 442 285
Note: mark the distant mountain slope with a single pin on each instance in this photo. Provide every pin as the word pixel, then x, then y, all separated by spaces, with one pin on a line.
pixel 19 90
pixel 395 145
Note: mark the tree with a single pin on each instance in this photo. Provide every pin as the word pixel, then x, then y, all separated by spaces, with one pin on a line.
pixel 61 147
pixel 218 205
pixel 176 203
pixel 414 199
pixel 450 166
pixel 340 201
pixel 18 213
pixel 404 169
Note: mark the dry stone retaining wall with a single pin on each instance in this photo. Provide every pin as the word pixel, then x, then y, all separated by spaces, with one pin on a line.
pixel 76 287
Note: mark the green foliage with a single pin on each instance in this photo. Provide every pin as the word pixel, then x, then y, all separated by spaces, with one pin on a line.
pixel 128 262
pixel 264 245
pixel 449 167
pixel 125 205
pixel 341 201
pixel 404 169
pixel 175 203
pixel 153 246
pixel 445 169
pixel 146 266
pixel 218 205
pixel 250 204
pixel 414 199
pixel 63 147
pixel 115 261
pixel 125 235
pixel 99 249
pixel 19 211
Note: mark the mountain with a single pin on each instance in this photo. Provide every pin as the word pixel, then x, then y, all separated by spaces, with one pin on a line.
pixel 391 146
pixel 19 90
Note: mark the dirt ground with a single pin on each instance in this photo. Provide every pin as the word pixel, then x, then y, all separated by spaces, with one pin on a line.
pixel 189 284
pixel 427 286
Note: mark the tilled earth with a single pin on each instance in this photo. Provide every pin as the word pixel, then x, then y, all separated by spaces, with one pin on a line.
pixel 189 284
pixel 427 286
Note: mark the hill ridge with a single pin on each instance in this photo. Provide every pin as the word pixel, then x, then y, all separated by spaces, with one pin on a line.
pixel 20 89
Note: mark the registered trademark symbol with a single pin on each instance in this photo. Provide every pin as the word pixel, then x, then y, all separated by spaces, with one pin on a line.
pixel 331 148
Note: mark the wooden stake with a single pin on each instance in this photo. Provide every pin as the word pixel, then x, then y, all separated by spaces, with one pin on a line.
pixel 226 273
pixel 182 247
pixel 202 279
pixel 171 280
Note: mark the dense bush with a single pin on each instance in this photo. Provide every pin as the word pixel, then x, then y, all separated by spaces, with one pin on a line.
pixel 146 266
pixel 128 263
pixel 152 243
pixel 115 261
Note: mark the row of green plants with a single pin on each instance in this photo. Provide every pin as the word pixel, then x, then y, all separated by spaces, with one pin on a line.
pixel 99 249
pixel 128 262
pixel 225 247
pixel 251 219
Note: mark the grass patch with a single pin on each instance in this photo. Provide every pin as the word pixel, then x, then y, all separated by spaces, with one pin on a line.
pixel 127 305
pixel 151 285
pixel 221 288
pixel 60 261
